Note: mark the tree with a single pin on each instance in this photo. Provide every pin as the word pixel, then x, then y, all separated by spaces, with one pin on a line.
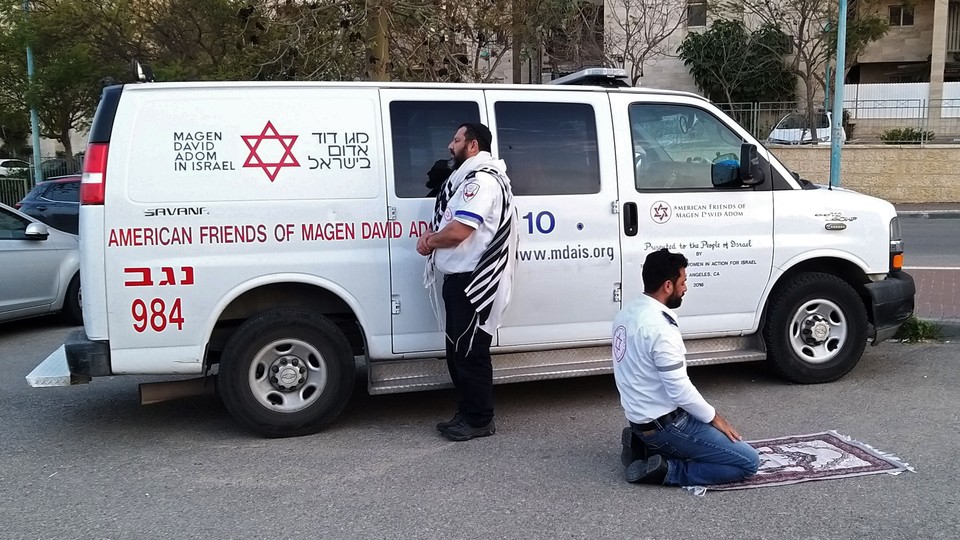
pixel 730 64
pixel 812 41
pixel 69 66
pixel 14 130
pixel 462 41
pixel 639 32
pixel 577 40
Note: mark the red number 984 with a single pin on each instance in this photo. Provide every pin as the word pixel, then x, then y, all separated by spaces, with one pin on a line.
pixel 155 315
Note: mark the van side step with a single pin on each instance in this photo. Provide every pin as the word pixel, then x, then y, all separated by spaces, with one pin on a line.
pixel 395 376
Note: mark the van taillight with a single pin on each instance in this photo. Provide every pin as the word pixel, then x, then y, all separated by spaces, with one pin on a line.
pixel 94 178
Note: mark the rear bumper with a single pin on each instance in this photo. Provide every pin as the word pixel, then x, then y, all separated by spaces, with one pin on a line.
pixel 86 357
pixel 75 362
pixel 892 303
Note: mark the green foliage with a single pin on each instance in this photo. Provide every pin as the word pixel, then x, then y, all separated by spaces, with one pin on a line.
pixel 730 64
pixel 69 58
pixel 915 330
pixel 906 136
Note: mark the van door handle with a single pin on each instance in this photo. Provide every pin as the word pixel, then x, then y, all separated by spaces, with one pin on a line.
pixel 630 219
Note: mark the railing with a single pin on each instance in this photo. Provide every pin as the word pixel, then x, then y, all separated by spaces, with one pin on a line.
pixel 879 121
pixel 15 188
pixel 12 189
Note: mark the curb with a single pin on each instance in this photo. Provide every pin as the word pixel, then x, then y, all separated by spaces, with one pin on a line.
pixel 930 214
pixel 949 329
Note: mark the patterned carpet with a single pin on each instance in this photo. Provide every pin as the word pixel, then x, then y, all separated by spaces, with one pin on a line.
pixel 819 456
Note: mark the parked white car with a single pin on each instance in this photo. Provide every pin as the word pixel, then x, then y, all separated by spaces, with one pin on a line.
pixel 39 269
pixel 13 167
pixel 794 128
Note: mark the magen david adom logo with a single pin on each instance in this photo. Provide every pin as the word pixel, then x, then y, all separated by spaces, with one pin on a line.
pixel 660 212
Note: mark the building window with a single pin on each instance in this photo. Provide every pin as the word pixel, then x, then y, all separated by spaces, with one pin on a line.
pixel 696 13
pixel 901 16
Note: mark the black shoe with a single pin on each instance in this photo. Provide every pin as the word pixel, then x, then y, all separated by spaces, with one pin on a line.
pixel 463 431
pixel 633 448
pixel 648 471
pixel 449 423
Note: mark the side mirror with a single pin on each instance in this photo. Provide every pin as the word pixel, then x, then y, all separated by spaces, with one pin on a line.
pixel 36 231
pixel 751 174
pixel 725 174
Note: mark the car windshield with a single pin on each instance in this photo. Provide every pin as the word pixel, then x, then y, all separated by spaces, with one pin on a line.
pixel 800 121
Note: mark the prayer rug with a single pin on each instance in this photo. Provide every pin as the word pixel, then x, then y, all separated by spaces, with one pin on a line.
pixel 819 456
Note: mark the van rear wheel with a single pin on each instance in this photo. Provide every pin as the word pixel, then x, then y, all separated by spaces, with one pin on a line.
pixel 286 372
pixel 816 328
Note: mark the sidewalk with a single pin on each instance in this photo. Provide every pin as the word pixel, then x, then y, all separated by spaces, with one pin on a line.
pixel 938 290
pixel 928 210
pixel 938 298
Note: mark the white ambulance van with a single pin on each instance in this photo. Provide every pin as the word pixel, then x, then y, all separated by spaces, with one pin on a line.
pixel 262 236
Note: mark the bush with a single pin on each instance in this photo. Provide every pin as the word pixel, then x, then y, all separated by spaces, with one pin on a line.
pixel 915 330
pixel 906 136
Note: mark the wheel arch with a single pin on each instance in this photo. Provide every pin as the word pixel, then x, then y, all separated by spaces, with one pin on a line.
pixel 285 290
pixel 842 265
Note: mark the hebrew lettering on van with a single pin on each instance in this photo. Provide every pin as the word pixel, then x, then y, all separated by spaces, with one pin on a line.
pixel 199 151
pixel 168 275
pixel 341 151
pixel 265 147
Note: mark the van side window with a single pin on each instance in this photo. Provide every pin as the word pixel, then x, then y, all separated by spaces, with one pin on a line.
pixel 549 148
pixel 422 130
pixel 674 146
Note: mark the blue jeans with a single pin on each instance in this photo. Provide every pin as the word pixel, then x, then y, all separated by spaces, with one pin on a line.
pixel 699 454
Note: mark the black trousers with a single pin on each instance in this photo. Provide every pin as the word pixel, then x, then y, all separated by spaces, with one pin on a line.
pixel 470 367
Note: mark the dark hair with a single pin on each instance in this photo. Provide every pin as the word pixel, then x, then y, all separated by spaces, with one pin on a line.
pixel 661 266
pixel 478 132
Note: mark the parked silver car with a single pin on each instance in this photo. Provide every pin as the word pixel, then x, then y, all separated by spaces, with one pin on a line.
pixel 39 269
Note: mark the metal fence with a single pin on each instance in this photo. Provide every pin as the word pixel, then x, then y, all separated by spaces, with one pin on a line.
pixel 15 188
pixel 866 121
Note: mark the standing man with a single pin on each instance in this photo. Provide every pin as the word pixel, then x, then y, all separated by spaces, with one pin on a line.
pixel 473 243
pixel 675 437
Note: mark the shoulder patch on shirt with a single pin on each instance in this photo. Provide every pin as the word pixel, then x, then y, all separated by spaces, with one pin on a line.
pixel 470 190
pixel 619 342
pixel 670 319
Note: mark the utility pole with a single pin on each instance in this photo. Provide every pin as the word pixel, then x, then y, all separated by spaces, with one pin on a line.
pixel 836 123
pixel 34 120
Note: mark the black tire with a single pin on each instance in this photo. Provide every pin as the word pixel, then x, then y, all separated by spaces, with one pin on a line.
pixel 816 328
pixel 308 351
pixel 72 311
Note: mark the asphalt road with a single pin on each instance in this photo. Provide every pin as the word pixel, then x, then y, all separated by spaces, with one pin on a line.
pixel 89 462
pixel 931 241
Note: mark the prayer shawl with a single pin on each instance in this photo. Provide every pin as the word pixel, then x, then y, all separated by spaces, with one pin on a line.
pixel 491 282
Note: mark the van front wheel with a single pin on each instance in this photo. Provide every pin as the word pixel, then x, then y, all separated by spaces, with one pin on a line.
pixel 286 372
pixel 816 328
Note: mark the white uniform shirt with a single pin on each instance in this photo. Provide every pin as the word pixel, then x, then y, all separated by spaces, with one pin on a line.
pixel 649 364
pixel 477 203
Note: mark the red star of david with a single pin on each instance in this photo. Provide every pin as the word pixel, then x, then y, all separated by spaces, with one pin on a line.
pixel 270 133
pixel 660 211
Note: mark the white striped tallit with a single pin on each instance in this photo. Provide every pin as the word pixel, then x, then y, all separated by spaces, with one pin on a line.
pixel 491 283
